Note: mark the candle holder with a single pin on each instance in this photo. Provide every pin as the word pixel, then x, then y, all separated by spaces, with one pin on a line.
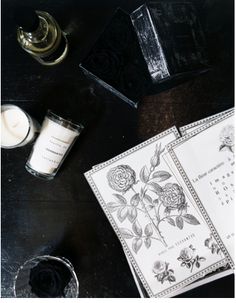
pixel 46 277
pixel 17 127
pixel 56 138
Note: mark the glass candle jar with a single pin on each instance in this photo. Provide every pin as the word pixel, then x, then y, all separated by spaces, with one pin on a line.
pixel 52 146
pixel 17 127
pixel 46 277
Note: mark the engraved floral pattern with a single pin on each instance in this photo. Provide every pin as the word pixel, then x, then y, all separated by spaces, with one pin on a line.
pixel 162 272
pixel 189 259
pixel 159 204
pixel 212 245
pixel 121 178
pixel 227 138
pixel 172 196
pixel 104 61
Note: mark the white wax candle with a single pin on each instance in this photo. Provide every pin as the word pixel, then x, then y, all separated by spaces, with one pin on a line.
pixel 16 127
pixel 51 147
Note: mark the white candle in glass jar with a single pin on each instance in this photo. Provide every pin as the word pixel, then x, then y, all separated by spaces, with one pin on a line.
pixel 52 146
pixel 17 127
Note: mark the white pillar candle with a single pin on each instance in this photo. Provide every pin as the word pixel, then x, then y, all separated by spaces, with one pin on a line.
pixel 17 127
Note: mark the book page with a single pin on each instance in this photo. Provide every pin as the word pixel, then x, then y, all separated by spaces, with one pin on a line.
pixel 205 161
pixel 161 230
pixel 186 129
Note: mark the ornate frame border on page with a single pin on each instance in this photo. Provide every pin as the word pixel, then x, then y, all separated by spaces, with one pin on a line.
pixel 170 148
pixel 170 274
pixel 186 129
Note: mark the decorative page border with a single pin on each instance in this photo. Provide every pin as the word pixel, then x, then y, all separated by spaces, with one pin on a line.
pixel 170 148
pixel 183 129
pixel 98 167
pixel 94 188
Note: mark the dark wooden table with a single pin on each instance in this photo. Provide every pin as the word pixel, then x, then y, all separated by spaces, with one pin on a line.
pixel 62 217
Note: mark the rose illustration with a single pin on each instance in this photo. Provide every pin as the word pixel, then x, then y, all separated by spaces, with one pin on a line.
pixel 187 254
pixel 159 267
pixel 188 258
pixel 212 245
pixel 172 196
pixel 227 138
pixel 152 199
pixel 104 63
pixel 48 279
pixel 162 272
pixel 121 178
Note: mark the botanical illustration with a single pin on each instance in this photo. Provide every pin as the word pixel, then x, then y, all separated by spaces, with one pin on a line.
pixel 227 138
pixel 211 244
pixel 162 272
pixel 189 259
pixel 169 205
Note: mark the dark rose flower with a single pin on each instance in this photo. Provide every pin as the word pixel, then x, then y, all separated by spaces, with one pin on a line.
pixel 117 35
pixel 121 178
pixel 48 279
pixel 227 137
pixel 186 254
pixel 172 196
pixel 103 63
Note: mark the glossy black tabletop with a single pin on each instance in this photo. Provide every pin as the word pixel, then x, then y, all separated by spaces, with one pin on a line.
pixel 62 217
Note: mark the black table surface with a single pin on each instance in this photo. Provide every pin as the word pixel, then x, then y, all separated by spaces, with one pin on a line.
pixel 62 217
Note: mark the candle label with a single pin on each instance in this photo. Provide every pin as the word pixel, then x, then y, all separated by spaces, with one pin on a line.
pixel 51 147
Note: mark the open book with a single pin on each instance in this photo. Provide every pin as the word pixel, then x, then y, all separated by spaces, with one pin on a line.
pixel 170 202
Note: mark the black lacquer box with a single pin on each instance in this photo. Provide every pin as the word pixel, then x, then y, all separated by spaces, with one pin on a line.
pixel 155 47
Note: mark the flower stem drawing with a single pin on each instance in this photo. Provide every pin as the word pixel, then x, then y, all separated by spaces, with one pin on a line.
pixel 160 237
pixel 168 206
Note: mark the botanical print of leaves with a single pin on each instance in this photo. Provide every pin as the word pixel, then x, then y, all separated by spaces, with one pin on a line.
pixel 135 200
pixel 139 237
pixel 132 214
pixel 122 213
pixel 126 233
pixel 168 207
pixel 147 242
pixel 148 230
pixel 170 221
pixel 179 222
pixel 137 229
pixel 144 174
pixel 190 219
pixel 155 187
pixel 136 244
pixel 160 176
